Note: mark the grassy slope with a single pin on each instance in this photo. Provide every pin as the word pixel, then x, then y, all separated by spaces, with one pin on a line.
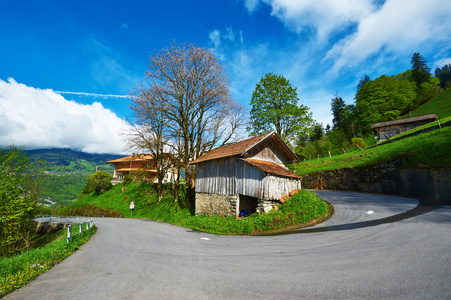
pixel 440 105
pixel 425 150
pixel 300 209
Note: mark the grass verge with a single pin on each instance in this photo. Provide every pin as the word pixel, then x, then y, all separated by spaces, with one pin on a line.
pixel 429 149
pixel 297 211
pixel 20 269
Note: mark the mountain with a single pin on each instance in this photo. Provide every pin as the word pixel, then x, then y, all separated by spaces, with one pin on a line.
pixel 69 161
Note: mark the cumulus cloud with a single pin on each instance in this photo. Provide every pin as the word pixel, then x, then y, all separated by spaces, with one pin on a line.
pixel 398 27
pixel 357 30
pixel 37 118
pixel 321 17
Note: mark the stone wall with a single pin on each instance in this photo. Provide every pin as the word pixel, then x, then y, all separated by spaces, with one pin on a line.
pixel 428 185
pixel 40 227
pixel 216 204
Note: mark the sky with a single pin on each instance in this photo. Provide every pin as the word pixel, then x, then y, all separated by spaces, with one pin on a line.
pixel 67 67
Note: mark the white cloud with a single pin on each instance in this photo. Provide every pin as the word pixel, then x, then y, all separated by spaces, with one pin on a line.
pixel 215 38
pixel 37 118
pixel 440 64
pixel 322 17
pixel 104 96
pixel 229 35
pixel 251 5
pixel 399 27
pixel 353 31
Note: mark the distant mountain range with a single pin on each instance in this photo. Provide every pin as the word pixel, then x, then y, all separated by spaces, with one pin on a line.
pixel 64 157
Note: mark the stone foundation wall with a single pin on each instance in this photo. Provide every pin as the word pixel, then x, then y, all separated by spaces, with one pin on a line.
pixel 216 204
pixel 429 185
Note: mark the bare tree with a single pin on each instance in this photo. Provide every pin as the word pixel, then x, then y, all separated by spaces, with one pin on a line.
pixel 191 91
pixel 150 131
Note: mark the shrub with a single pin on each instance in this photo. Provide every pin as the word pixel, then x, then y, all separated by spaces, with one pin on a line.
pixel 127 180
pixel 358 142
pixel 99 182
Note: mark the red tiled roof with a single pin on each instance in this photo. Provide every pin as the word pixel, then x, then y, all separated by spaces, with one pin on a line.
pixel 240 148
pixel 431 117
pixel 271 168
pixel 135 157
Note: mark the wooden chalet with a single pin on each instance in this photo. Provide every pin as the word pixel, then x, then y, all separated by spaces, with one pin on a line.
pixel 387 130
pixel 128 165
pixel 244 177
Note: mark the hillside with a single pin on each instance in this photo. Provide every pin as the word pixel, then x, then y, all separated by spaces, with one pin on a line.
pixel 439 105
pixel 415 165
pixel 70 161
pixel 67 172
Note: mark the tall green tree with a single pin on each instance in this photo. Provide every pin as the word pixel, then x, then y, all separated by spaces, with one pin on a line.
pixel 20 183
pixel 362 81
pixel 421 73
pixel 383 99
pixel 275 107
pixel 338 106
pixel 444 74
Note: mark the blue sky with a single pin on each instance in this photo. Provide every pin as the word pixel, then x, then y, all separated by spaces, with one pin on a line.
pixel 66 67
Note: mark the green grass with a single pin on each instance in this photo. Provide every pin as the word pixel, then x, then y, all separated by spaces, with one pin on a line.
pixel 425 150
pixel 435 123
pixel 146 202
pixel 16 271
pixel 439 105
pixel 300 209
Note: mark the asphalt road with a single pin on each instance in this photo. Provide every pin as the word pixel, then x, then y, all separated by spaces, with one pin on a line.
pixel 374 247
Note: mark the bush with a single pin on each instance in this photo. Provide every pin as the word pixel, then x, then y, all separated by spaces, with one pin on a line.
pixel 127 180
pixel 89 210
pixel 358 142
pixel 99 182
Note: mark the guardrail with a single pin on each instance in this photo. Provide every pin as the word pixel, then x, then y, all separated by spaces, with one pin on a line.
pixel 88 226
pixel 81 222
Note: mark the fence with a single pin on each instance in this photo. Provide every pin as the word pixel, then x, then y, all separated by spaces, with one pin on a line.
pixel 84 224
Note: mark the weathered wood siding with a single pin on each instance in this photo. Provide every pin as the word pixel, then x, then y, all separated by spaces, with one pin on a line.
pixel 274 187
pixel 232 176
pixel 248 179
pixel 267 151
pixel 217 177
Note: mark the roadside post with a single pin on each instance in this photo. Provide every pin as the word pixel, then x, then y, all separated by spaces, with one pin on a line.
pixel 132 207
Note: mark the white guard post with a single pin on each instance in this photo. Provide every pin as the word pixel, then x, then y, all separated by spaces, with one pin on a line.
pixel 132 207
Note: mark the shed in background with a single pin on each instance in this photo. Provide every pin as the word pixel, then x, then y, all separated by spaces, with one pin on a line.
pixel 387 130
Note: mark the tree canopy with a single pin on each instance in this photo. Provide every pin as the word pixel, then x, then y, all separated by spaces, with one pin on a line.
pixel 444 74
pixel 338 106
pixel 383 99
pixel 420 70
pixel 275 107
pixel 20 179
pixel 188 89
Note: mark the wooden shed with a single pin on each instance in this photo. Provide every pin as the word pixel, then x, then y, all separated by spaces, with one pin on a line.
pixel 244 177
pixel 387 130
